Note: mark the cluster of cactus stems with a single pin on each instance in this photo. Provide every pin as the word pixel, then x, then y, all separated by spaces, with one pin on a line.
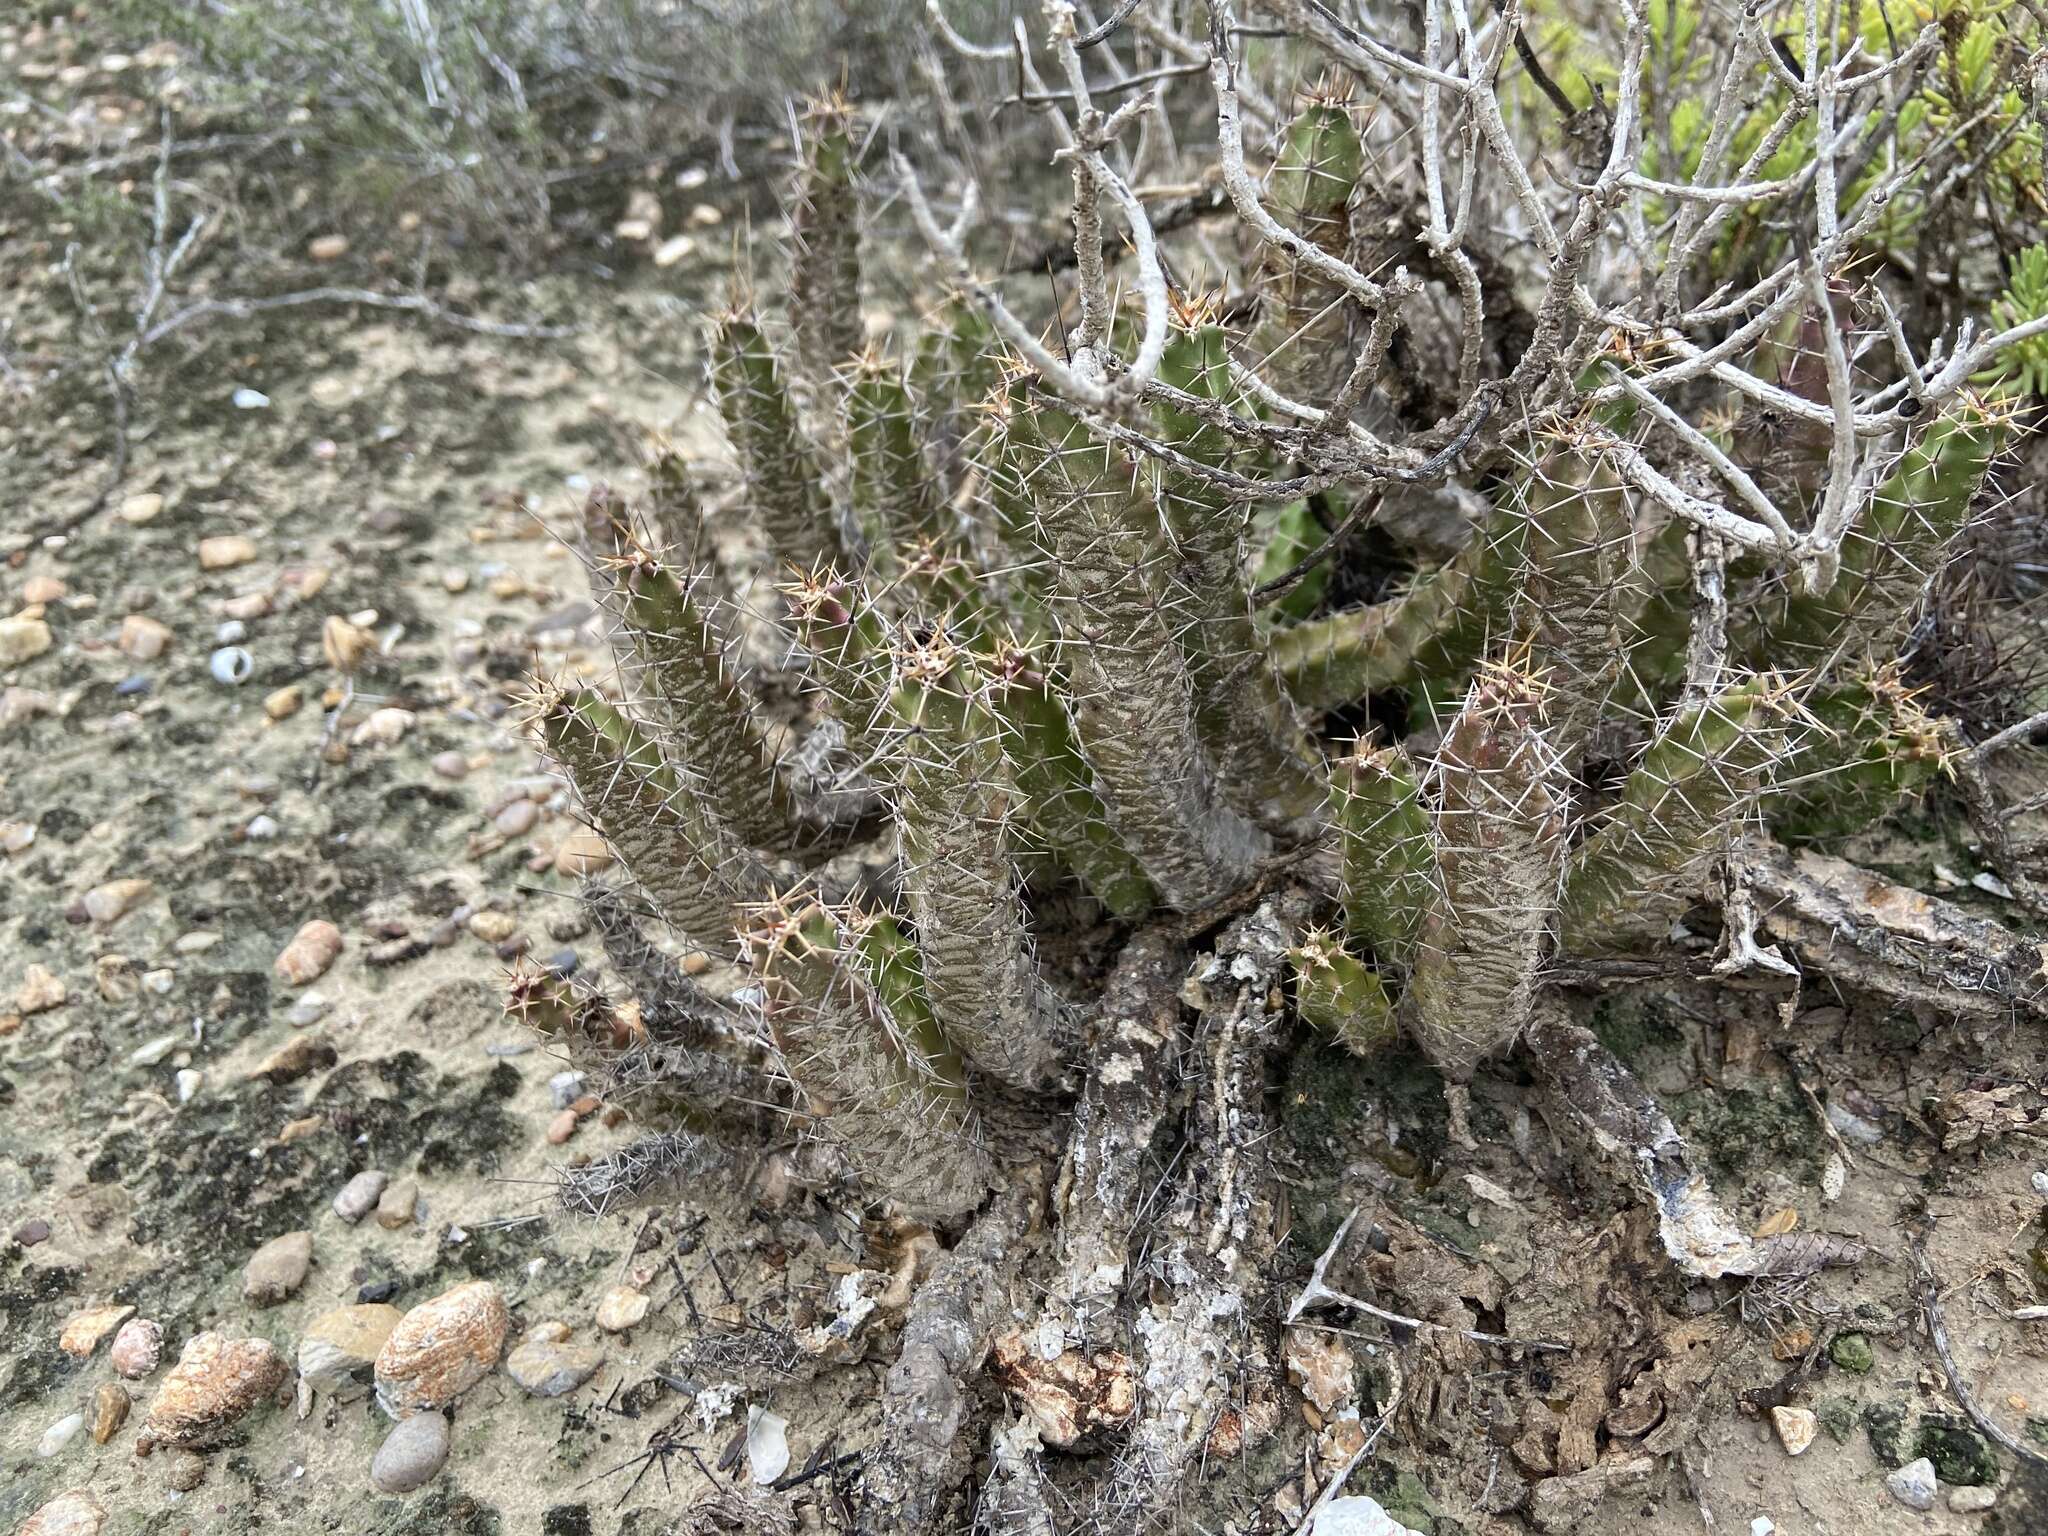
pixel 1035 649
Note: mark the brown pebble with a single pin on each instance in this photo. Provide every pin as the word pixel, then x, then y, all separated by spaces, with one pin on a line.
pixel 115 899
pixel 109 1411
pixel 40 991
pixel 395 1207
pixel 294 1059
pixel 442 1348
pixel 450 765
pixel 582 853
pixel 142 638
pixel 137 1348
pixel 312 950
pixel 516 818
pixel 327 247
pixel 42 589
pixel 215 1382
pixel 73 1512
pixel 31 1232
pixel 284 702
pixel 696 963
pixel 225 552
pixel 187 1471
pixel 84 1331
pixel 344 644
pixel 562 1127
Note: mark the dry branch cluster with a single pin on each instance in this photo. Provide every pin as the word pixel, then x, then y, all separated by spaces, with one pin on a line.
pixel 1058 855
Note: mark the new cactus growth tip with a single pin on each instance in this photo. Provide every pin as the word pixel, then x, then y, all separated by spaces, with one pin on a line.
pixel 1069 741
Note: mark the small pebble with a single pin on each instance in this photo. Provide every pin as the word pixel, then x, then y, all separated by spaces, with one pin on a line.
pixel 141 508
pixel 673 250
pixel 187 1471
pixel 545 1365
pixel 582 853
pixel 277 1269
pixel 115 899
pixel 376 1291
pixel 110 1405
pixel 142 638
pixel 159 981
pixel 246 399
pixel 454 579
pixel 282 703
pixel 188 1082
pixel 358 1197
pixel 383 727
pixel 72 1513
pixel 311 1008
pixel 395 1207
pixel 492 927
pixel 327 247
pixel 215 1382
pixel 442 1348
pixel 22 640
pixel 414 1451
pixel 261 829
pixel 32 1232
pixel 450 765
pixel 565 1088
pixel 2040 1183
pixel 233 632
pixel 294 1059
pixel 1796 1428
pixel 622 1307
pixel 339 1348
pixel 84 1331
pixel 40 991
pixel 312 950
pixel 1913 1485
pixel 60 1434
pixel 562 1127
pixel 516 818
pixel 1971 1501
pixel 133 686
pixel 150 1052
pixel 225 552
pixel 562 963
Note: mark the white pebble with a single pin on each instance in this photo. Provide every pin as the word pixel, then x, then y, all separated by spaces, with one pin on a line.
pixel 155 1051
pixel 60 1434
pixel 188 1084
pixel 230 633
pixel 250 399
pixel 2040 1183
pixel 309 1009
pixel 260 829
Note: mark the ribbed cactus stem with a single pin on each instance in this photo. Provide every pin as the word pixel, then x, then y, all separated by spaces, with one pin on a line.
pixel 692 866
pixel 1871 745
pixel 675 510
pixel 1384 839
pixel 1336 992
pixel 954 802
pixel 848 639
pixel 1067 817
pixel 1897 547
pixel 1633 876
pixel 1499 833
pixel 1579 586
pixel 680 656
pixel 780 473
pixel 1303 339
pixel 1435 630
pixel 898 1109
pixel 1119 612
pixel 1241 713
pixel 895 498
pixel 824 267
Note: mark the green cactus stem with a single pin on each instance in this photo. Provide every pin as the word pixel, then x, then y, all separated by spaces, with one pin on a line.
pixel 680 661
pixel 1337 993
pixel 953 806
pixel 1389 865
pixel 776 462
pixel 1499 837
pixel 1119 612
pixel 1871 746
pixel 692 866
pixel 1303 341
pixel 898 1109
pixel 1633 876
pixel 1241 714
pixel 1066 817
pixel 895 497
pixel 824 266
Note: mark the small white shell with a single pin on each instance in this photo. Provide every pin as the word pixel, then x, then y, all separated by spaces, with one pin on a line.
pixel 231 665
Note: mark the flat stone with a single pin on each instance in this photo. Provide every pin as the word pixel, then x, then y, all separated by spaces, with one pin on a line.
pixel 294 1059
pixel 22 640
pixel 277 1269
pixel 72 1513
pixel 549 1367
pixel 59 1435
pixel 358 1197
pixel 216 1381
pixel 1971 1501
pixel 40 991
pixel 1913 1485
pixel 83 1331
pixel 622 1307
pixel 411 1455
pixel 340 1347
pixel 395 1207
pixel 442 1348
